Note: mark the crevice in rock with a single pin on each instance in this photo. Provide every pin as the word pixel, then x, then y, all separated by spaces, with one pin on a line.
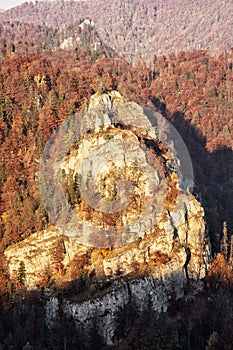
pixel 188 258
pixel 175 231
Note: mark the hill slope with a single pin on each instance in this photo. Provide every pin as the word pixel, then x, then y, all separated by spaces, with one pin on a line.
pixel 28 38
pixel 141 28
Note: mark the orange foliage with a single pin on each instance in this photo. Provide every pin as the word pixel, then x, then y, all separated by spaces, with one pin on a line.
pixel 220 271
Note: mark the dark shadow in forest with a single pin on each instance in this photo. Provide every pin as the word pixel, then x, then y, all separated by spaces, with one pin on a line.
pixel 187 325
pixel 213 176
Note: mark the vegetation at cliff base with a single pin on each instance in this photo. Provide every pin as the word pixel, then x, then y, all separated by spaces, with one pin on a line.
pixel 53 58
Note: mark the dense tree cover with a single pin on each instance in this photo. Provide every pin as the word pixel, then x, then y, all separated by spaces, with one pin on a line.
pixel 140 28
pixel 26 39
pixel 193 90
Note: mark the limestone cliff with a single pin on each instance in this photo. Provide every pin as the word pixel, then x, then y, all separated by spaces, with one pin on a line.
pixel 136 180
pixel 50 255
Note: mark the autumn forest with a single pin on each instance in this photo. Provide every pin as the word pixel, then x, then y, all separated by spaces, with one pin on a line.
pixel 42 81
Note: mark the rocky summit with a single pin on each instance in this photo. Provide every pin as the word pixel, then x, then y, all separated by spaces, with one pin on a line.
pixel 135 234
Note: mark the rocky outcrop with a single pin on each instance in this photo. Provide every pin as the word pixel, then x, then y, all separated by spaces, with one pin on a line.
pixel 48 254
pixel 140 267
pixel 82 35
pixel 148 294
pixel 44 255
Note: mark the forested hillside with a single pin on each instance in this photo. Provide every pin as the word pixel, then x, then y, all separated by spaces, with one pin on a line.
pixel 24 39
pixel 140 29
pixel 172 56
pixel 193 90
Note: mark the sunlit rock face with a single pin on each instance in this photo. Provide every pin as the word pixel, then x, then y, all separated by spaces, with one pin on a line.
pixel 49 254
pixel 133 224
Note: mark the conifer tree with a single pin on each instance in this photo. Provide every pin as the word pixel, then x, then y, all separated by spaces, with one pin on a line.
pixel 21 272
pixel 231 252
pixel 224 241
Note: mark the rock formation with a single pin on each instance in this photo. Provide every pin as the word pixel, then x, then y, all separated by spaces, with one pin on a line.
pixel 134 230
